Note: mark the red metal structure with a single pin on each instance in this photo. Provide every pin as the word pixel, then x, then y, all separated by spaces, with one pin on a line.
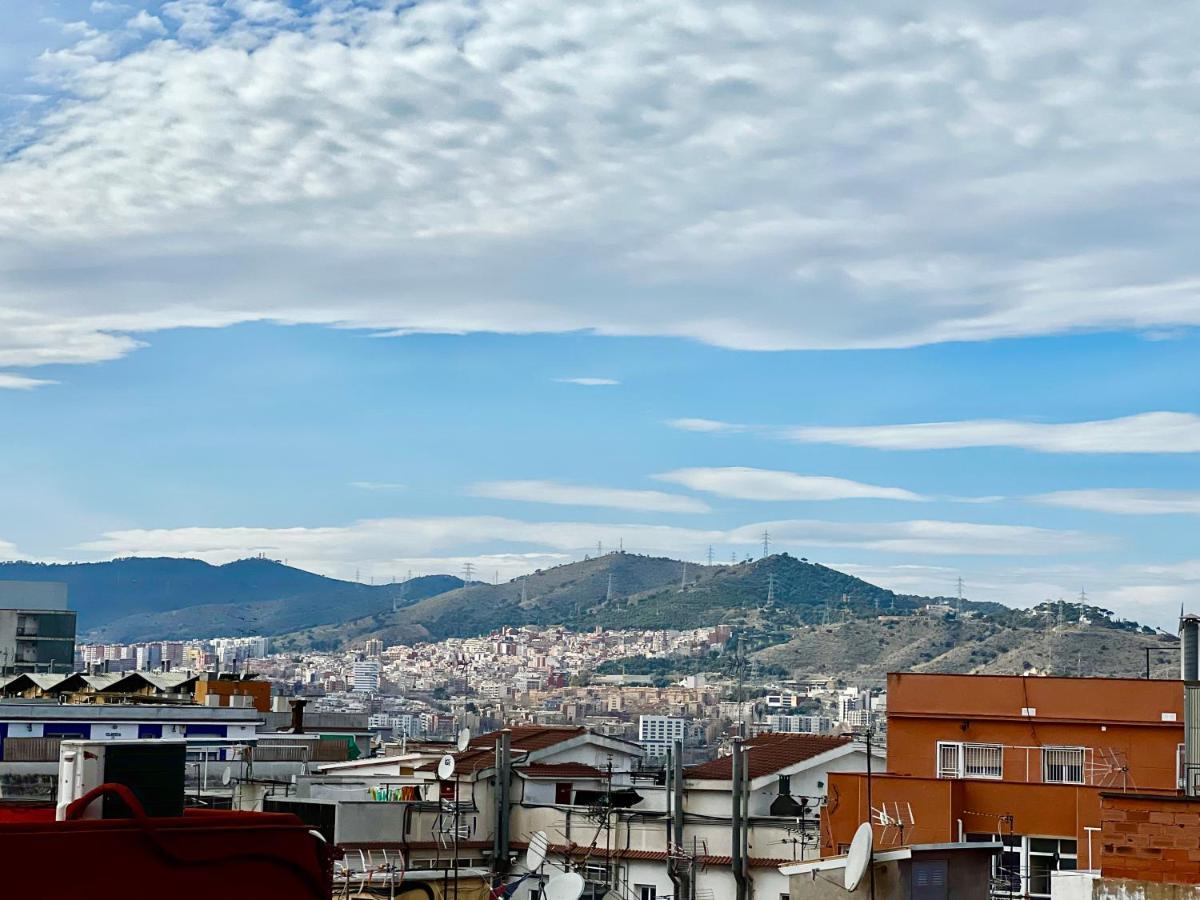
pixel 202 854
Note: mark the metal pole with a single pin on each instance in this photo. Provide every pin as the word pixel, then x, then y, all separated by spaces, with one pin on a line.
pixel 738 825
pixel 678 824
pixel 870 815
pixel 456 836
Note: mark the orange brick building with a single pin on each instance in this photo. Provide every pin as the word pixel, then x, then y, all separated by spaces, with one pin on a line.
pixel 224 689
pixel 1151 838
pixel 1020 760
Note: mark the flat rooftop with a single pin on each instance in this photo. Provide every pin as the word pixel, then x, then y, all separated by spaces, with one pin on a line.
pixel 33 595
pixel 43 711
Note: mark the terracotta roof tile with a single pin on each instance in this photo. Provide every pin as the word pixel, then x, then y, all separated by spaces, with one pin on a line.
pixel 769 753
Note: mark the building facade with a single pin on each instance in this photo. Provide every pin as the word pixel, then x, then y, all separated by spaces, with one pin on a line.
pixel 37 631
pixel 1019 760
pixel 657 734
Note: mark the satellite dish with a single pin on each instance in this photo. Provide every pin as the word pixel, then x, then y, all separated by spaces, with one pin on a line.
pixel 445 767
pixel 859 856
pixel 227 775
pixel 464 739
pixel 566 886
pixel 536 854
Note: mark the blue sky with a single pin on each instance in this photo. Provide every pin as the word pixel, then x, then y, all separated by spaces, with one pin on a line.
pixel 335 281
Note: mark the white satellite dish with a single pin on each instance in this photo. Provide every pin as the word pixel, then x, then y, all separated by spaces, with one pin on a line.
pixel 859 857
pixel 566 886
pixel 536 854
pixel 445 767
pixel 464 739
pixel 227 776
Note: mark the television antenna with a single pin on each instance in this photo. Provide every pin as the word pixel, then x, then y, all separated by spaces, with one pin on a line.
pixel 893 821
pixel 445 771
pixel 858 860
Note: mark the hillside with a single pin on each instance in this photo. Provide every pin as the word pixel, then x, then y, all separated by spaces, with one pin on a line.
pixel 867 650
pixel 646 592
pixel 144 599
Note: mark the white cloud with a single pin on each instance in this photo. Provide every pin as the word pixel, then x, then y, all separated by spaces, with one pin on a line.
pixel 377 543
pixel 586 495
pixel 1126 501
pixel 381 486
pixel 973 171
pixel 9 552
pixel 1152 432
pixel 146 22
pixel 745 483
pixel 589 382
pixel 1155 432
pixel 1150 594
pixel 21 382
pixel 709 426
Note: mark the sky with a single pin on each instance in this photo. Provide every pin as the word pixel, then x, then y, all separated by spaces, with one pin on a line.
pixel 384 288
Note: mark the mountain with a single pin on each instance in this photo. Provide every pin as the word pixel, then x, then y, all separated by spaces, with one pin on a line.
pixel 625 590
pixel 1017 642
pixel 166 598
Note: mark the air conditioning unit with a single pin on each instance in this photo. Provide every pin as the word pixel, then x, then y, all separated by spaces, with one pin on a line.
pixel 152 770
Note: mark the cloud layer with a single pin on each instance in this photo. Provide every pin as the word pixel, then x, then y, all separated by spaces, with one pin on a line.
pixel 585 495
pixel 743 483
pixel 1153 432
pixel 1127 501
pixel 970 171
pixel 381 544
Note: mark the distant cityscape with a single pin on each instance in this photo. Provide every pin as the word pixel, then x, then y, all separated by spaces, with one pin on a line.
pixel 528 675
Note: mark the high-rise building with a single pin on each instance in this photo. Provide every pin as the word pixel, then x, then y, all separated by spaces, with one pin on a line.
pixel 657 734
pixel 37 631
pixel 365 678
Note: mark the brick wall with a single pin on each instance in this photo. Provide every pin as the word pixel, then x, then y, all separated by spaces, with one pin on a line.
pixel 1147 838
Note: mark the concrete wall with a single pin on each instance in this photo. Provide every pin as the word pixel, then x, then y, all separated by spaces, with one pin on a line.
pixel 1066 887
pixel 890 884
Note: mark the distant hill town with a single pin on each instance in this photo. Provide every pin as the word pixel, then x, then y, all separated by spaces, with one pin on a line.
pixel 791 615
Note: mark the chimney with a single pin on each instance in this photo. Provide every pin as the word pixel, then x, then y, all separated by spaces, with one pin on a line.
pixel 298 715
pixel 1189 649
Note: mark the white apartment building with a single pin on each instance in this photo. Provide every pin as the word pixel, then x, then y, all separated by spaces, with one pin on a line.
pixel 657 734
pixel 798 724
pixel 365 677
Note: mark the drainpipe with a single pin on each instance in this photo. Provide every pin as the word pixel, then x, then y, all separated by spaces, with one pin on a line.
pixel 500 834
pixel 738 831
pixel 682 889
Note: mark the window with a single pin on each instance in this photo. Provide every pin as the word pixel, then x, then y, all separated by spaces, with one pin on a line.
pixel 645 892
pixel 1025 864
pixel 562 793
pixel 956 760
pixel 1062 765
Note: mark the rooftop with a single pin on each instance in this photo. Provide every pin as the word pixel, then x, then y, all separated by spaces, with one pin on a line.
pixel 1139 701
pixel 769 753
pixel 45 710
